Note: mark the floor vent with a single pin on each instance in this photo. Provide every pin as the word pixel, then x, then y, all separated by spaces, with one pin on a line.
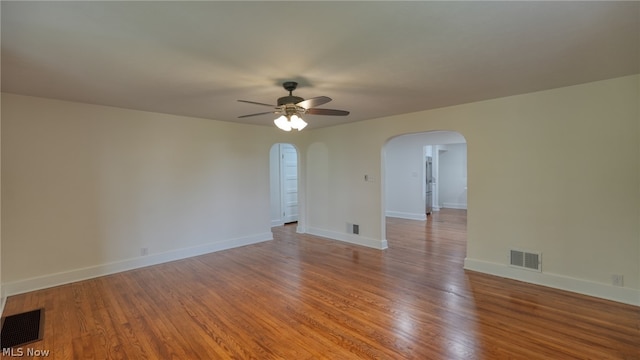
pixel 525 259
pixel 23 328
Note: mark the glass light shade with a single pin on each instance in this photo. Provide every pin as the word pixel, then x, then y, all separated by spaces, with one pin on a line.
pixel 283 123
pixel 297 122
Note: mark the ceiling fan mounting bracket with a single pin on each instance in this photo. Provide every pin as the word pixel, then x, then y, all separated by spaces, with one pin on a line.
pixel 289 86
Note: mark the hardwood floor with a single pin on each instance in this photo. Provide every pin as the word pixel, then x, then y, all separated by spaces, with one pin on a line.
pixel 304 297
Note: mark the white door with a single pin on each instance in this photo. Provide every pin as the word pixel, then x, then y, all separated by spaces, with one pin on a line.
pixel 289 181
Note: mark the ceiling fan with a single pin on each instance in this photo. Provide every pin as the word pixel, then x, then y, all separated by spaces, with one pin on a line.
pixel 291 108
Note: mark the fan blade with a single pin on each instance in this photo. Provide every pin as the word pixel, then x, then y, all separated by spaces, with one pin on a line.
pixel 327 112
pixel 313 102
pixel 262 113
pixel 256 103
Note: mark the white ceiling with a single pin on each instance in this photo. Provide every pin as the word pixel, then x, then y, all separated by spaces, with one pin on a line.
pixel 373 58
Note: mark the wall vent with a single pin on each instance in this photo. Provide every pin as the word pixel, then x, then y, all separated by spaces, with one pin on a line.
pixel 525 259
pixel 353 229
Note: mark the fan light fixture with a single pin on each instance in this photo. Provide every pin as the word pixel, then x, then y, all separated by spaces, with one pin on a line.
pixel 288 122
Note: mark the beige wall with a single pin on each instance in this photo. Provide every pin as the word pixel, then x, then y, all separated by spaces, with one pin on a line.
pixel 85 187
pixel 553 171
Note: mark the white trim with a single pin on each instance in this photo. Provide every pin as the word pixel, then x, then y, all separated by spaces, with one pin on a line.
pixel 61 278
pixel 404 215
pixel 454 206
pixel 350 238
pixel 620 294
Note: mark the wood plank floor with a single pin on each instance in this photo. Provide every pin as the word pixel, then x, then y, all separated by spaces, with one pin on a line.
pixel 304 297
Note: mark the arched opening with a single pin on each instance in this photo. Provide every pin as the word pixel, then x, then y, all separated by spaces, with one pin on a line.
pixel 283 175
pixel 424 173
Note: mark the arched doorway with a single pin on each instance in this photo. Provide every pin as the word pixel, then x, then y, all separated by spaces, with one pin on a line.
pixel 412 189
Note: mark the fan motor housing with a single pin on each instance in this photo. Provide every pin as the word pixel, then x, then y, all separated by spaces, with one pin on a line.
pixel 289 100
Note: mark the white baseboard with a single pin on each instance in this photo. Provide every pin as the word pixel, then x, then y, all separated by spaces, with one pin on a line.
pixel 350 238
pixel 454 206
pixel 604 291
pixel 404 215
pixel 61 278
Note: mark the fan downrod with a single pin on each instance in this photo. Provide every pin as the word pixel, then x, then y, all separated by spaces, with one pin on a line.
pixel 290 99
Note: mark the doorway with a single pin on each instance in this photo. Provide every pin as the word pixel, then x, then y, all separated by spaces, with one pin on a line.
pixel 283 184
pixel 424 173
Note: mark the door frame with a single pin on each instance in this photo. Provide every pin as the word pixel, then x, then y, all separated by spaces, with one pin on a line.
pixel 277 185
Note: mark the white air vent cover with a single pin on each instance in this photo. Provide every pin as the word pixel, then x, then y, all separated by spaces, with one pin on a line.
pixel 525 259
